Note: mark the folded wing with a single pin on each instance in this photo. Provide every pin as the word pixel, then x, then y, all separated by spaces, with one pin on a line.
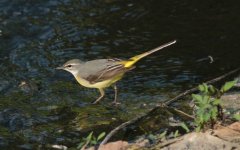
pixel 103 69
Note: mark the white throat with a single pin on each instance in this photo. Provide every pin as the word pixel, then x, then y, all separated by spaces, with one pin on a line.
pixel 73 72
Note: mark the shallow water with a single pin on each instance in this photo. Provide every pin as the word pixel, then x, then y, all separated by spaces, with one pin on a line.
pixel 40 105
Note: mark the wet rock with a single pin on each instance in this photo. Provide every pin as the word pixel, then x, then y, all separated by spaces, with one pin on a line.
pixel 26 147
pixel 3 85
pixel 18 122
pixel 28 87
pixel 60 139
pixel 14 119
pixel 3 142
pixel 238 81
pixel 61 147
pixel 5 115
pixel 48 108
pixel 41 138
pixel 231 101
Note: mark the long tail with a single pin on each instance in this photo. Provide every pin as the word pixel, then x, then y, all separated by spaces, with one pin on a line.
pixel 135 59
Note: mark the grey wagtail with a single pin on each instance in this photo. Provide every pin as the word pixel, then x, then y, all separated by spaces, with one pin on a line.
pixel 101 73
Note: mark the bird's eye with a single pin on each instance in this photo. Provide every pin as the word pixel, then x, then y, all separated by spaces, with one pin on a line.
pixel 69 66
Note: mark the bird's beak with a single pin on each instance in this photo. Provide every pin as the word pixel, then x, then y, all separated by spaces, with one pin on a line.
pixel 61 67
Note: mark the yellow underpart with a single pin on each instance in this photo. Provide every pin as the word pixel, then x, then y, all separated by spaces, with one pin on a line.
pixel 99 85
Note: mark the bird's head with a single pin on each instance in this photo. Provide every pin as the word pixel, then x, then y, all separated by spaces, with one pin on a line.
pixel 72 66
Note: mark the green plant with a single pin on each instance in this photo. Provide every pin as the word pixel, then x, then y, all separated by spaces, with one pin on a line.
pixel 236 116
pixel 185 127
pixel 209 105
pixel 154 137
pixel 176 134
pixel 90 140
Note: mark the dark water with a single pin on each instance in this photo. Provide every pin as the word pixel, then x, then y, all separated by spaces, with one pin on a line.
pixel 40 105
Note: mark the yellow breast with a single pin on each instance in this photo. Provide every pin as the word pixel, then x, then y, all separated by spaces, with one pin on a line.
pixel 99 85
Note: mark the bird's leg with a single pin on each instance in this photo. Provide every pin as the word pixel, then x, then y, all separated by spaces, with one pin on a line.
pixel 116 94
pixel 101 96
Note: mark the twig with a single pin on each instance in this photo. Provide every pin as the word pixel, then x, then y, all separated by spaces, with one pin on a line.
pixel 118 128
pixel 181 112
pixel 180 95
pixel 123 125
pixel 196 88
pixel 85 145
pixel 170 141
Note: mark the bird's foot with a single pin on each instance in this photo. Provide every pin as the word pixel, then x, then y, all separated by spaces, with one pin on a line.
pixel 115 103
pixel 95 102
